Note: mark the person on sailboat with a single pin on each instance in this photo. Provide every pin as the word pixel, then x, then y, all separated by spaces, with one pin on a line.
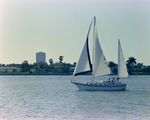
pixel 118 79
pixel 113 79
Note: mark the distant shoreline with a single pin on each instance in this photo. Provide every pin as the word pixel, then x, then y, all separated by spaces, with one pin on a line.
pixel 57 74
pixel 35 73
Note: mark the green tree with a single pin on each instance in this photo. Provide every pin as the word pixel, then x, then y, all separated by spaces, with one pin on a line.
pixel 61 58
pixel 51 62
pixel 138 67
pixel 148 69
pixel 113 66
pixel 46 69
pixel 130 63
pixel 37 68
pixel 66 67
pixel 42 66
pixel 35 64
pixel 3 65
pixel 25 66
pixel 74 64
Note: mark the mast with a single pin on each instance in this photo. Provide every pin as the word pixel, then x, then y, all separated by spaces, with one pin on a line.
pixel 93 47
pixel 118 58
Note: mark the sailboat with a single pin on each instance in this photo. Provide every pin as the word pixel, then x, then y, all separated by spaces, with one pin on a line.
pixel 99 66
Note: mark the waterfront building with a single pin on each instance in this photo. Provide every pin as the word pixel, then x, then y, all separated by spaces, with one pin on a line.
pixel 40 57
pixel 10 69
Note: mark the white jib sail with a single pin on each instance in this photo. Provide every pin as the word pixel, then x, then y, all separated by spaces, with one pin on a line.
pixel 84 62
pixel 122 68
pixel 100 65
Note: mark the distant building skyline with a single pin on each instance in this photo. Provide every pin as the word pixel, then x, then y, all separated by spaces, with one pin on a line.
pixel 40 57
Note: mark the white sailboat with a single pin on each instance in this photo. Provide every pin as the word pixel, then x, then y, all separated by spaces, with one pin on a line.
pixel 99 67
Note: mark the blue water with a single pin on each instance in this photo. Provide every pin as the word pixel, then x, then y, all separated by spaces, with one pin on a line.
pixel 55 98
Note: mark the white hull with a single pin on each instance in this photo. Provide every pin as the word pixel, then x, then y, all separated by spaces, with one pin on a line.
pixel 109 86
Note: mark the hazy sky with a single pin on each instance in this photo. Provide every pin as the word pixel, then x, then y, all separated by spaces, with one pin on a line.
pixel 59 28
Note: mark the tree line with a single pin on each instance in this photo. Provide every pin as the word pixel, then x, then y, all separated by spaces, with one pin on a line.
pixel 61 67
pixel 44 67
pixel 132 66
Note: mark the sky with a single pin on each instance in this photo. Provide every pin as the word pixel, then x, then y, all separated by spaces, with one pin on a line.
pixel 59 28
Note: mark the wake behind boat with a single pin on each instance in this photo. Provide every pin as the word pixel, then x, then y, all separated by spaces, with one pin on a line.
pixel 99 66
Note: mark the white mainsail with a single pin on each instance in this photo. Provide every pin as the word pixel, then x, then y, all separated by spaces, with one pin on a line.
pixel 122 68
pixel 100 66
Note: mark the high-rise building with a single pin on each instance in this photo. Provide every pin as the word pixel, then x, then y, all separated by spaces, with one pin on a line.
pixel 40 57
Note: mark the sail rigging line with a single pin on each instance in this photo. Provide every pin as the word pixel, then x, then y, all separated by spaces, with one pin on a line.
pixel 105 41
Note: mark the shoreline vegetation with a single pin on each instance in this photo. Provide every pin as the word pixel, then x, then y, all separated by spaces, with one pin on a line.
pixel 35 73
pixel 62 68
pixel 14 73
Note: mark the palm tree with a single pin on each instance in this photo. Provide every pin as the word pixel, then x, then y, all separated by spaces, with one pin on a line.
pixel 51 61
pixel 130 63
pixel 74 64
pixel 61 58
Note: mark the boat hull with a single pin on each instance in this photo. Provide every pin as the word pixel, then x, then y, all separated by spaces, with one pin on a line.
pixel 100 87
